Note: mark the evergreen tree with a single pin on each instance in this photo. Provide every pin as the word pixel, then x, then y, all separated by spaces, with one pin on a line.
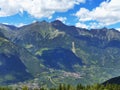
pixel 25 88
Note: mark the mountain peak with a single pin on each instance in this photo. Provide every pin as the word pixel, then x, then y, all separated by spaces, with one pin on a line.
pixel 44 21
pixel 57 22
pixel 37 22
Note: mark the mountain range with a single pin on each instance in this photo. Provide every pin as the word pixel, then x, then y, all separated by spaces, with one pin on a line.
pixel 56 53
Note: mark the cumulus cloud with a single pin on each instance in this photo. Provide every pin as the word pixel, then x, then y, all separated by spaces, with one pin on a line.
pixel 107 13
pixel 36 8
pixel 20 24
pixel 91 25
pixel 63 19
pixel 118 29
pixel 81 25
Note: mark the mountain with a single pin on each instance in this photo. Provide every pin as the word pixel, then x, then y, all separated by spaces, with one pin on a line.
pixel 16 62
pixel 115 80
pixel 103 35
pixel 66 53
pixel 38 35
pixel 60 58
pixel 7 31
pixel 12 27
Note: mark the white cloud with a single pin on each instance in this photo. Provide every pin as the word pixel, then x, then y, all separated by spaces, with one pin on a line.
pixel 118 29
pixel 63 19
pixel 36 8
pixel 17 25
pixel 107 13
pixel 91 25
pixel 5 23
pixel 81 25
pixel 94 25
pixel 20 24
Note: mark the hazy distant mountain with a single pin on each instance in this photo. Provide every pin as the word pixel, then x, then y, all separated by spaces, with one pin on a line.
pixel 61 48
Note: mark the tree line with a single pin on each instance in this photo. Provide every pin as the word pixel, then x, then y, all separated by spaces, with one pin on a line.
pixel 70 87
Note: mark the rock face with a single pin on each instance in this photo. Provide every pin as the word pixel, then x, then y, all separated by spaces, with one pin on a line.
pixel 55 47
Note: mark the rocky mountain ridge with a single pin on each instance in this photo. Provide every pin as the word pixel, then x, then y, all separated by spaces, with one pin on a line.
pixel 56 47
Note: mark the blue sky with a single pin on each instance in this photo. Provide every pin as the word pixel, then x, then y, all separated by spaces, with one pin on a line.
pixel 81 13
